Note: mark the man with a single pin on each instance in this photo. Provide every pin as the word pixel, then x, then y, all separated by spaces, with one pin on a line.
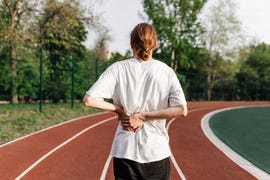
pixel 145 93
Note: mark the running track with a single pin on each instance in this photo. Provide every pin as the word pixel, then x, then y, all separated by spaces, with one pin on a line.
pixel 79 149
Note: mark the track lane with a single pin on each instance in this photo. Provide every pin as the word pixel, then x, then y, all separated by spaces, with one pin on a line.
pixel 176 172
pixel 82 158
pixel 17 156
pixel 233 155
pixel 175 168
pixel 197 157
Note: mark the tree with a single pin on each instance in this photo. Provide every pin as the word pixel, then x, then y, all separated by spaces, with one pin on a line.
pixel 254 75
pixel 62 36
pixel 101 44
pixel 28 78
pixel 14 18
pixel 176 22
pixel 57 26
pixel 4 73
pixel 221 38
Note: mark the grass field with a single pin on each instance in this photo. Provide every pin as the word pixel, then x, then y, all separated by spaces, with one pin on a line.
pixel 21 119
pixel 246 130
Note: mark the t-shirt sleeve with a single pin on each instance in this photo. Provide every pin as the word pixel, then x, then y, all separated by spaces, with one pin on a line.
pixel 176 94
pixel 104 87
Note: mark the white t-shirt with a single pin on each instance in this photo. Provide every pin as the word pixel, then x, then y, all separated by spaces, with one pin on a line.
pixel 140 86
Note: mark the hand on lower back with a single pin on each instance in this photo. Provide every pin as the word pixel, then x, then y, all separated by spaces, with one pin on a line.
pixel 136 121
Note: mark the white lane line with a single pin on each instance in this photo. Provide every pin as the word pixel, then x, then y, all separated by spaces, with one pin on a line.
pixel 61 145
pixel 51 127
pixel 179 171
pixel 106 167
pixel 234 156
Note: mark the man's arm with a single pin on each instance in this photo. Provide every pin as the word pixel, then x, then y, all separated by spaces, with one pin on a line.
pixel 103 105
pixel 136 120
pixel 168 113
pixel 100 104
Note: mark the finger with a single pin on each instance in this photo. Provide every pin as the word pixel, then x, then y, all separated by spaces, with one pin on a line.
pixel 135 126
pixel 137 129
pixel 125 123
pixel 126 126
pixel 123 118
pixel 127 129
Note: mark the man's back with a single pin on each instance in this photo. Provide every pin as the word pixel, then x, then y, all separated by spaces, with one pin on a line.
pixel 142 85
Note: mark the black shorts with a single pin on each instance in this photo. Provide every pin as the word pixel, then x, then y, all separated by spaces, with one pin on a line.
pixel 125 169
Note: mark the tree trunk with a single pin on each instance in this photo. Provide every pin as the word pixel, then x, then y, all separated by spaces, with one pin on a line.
pixel 174 62
pixel 172 59
pixel 13 69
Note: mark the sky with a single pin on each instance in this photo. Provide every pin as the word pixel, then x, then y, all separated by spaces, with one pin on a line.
pixel 121 16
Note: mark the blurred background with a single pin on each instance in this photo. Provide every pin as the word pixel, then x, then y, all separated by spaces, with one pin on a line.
pixel 53 50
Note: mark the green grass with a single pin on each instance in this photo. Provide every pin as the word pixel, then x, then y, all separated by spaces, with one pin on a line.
pixel 22 119
pixel 247 131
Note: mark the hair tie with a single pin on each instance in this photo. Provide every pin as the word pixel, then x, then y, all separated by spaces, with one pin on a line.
pixel 146 50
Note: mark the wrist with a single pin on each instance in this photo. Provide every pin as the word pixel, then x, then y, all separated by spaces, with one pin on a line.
pixel 143 115
pixel 117 108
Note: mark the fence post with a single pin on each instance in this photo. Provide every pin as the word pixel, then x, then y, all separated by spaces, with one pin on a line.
pixel 72 82
pixel 96 69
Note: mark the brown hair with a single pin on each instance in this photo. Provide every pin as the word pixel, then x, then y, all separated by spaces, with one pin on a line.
pixel 143 40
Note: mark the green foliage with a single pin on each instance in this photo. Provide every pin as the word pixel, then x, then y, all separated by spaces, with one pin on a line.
pixel 66 31
pixel 4 72
pixel 15 17
pixel 56 90
pixel 62 38
pixel 59 28
pixel 220 40
pixel 177 27
pixel 28 77
pixel 254 77
pixel 4 21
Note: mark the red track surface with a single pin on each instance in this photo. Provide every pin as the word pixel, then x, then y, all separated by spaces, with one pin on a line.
pixel 84 157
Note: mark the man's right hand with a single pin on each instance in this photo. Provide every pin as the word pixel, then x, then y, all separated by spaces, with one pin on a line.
pixel 123 117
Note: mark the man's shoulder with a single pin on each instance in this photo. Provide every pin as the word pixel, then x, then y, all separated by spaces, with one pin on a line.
pixel 122 62
pixel 163 65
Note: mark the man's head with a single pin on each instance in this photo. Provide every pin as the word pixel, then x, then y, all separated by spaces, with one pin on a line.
pixel 143 40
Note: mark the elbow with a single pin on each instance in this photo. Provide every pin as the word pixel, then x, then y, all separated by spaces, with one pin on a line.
pixel 185 113
pixel 86 100
pixel 179 111
pixel 184 110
